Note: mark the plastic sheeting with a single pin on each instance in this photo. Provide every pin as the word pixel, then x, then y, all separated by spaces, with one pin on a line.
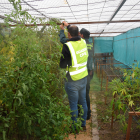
pixel 126 47
pixel 103 44
pixel 81 11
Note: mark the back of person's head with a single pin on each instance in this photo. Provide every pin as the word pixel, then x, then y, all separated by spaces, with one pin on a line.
pixel 73 30
pixel 85 33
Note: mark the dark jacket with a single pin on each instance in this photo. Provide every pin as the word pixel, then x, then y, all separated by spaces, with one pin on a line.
pixel 90 53
pixel 65 59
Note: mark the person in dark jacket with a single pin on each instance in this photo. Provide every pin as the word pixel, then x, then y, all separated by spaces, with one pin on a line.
pixel 74 60
pixel 85 35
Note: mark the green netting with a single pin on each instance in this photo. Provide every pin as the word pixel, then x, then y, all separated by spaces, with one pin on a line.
pixel 103 44
pixel 126 47
pixel 91 40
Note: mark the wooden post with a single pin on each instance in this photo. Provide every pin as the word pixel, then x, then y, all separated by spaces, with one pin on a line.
pixel 112 113
pixel 102 80
pixel 97 68
pixel 130 122
pixel 106 88
pixel 99 71
pixel 129 127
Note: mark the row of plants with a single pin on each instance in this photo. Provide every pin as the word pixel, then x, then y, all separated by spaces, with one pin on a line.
pixel 33 102
pixel 127 95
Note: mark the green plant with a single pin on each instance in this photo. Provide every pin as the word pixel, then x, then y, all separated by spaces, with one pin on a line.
pixel 33 102
pixel 127 94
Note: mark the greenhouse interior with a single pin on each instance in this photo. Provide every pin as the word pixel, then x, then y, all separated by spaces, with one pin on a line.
pixel 70 70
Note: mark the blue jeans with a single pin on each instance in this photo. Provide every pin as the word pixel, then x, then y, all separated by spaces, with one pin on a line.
pixel 76 91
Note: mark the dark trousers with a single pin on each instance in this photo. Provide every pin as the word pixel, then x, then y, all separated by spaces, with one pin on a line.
pixel 89 77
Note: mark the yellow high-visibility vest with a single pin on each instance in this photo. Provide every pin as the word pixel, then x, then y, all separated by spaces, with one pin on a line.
pixel 79 57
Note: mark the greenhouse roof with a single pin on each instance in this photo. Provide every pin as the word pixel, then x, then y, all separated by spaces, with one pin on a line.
pixel 100 17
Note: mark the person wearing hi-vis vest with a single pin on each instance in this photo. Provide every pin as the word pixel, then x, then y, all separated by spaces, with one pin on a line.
pixel 84 33
pixel 74 60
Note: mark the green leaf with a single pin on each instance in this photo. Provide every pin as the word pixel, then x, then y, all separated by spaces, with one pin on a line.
pixel 4 135
pixel 44 129
pixel 29 122
pixel 131 103
pixel 20 8
pixel 22 12
pixel 19 94
pixel 115 92
pixel 123 92
pixel 6 125
pixel 25 88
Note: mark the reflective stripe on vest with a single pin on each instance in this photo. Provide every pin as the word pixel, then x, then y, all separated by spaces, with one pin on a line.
pixel 78 71
pixel 73 53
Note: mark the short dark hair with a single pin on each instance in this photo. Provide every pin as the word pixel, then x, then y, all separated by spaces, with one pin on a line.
pixel 85 33
pixel 73 30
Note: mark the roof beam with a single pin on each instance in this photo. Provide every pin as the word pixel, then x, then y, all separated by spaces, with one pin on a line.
pixel 108 33
pixel 101 22
pixel 117 10
pixel 96 22
pixel 12 20
pixel 121 4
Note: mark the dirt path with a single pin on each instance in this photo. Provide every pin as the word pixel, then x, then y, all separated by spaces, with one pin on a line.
pixel 82 135
pixel 88 134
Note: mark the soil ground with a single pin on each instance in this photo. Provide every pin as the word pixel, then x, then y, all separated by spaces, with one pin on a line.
pixel 105 116
pixel 82 135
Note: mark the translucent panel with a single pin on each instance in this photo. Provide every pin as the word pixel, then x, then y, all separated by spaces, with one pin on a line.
pixel 82 11
pixel 55 10
pixel 83 20
pixel 109 9
pixel 131 2
pixel 50 3
pixel 95 5
pixel 76 2
pixel 121 12
pixel 107 14
pixel 93 10
pixel 133 12
pixel 113 34
pixel 126 8
pixel 80 15
pixel 60 15
pixel 113 3
pixel 79 8
pixel 136 7
pixel 95 1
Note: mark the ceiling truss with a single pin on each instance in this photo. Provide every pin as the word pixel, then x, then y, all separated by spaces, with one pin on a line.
pixel 99 16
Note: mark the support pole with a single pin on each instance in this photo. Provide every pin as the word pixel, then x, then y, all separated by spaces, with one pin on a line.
pixel 106 88
pixel 102 80
pixel 99 72
pixel 97 68
pixel 112 113
pixel 129 127
pixel 130 122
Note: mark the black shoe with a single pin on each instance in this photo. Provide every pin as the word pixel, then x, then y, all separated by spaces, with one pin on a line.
pixel 84 128
pixel 88 117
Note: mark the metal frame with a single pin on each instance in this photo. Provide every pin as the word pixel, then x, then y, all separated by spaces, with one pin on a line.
pixel 102 13
pixel 130 122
